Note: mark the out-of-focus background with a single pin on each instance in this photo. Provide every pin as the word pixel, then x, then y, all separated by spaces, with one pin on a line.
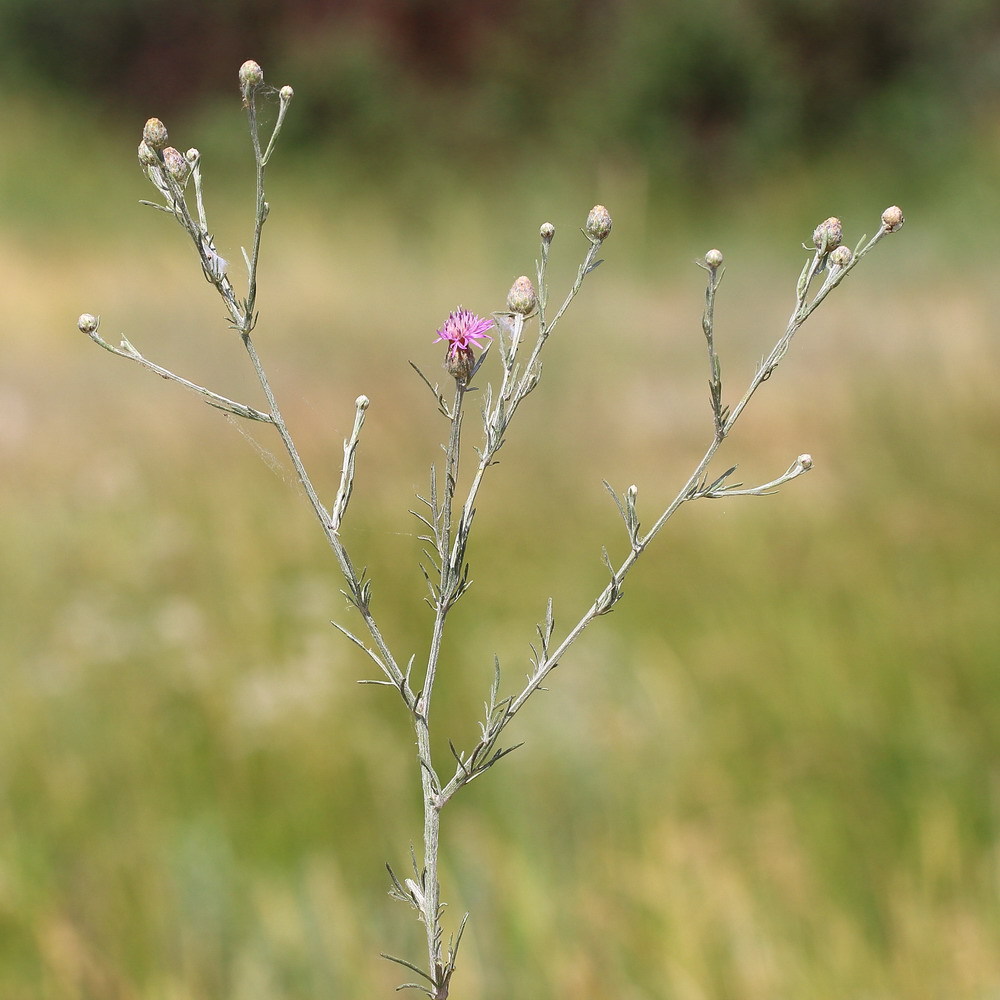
pixel 772 772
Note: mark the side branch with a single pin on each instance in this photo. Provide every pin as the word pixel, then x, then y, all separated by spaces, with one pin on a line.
pixel 130 353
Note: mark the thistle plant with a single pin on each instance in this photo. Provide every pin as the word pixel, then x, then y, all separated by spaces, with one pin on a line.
pixel 499 359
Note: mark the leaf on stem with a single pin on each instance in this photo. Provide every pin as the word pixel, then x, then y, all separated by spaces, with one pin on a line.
pixel 412 968
pixel 612 593
pixel 435 392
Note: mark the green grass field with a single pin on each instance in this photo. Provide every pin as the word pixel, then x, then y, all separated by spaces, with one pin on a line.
pixel 771 774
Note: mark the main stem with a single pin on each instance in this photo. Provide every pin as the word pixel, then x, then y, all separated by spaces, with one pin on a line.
pixel 450 566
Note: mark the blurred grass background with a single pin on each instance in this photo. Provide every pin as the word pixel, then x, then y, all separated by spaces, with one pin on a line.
pixel 772 772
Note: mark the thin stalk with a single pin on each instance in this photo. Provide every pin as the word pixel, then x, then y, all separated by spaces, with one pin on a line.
pixel 223 403
pixel 390 666
pixel 450 576
pixel 708 326
pixel 259 215
pixel 544 331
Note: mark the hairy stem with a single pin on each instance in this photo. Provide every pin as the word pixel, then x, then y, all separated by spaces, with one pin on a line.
pixel 450 557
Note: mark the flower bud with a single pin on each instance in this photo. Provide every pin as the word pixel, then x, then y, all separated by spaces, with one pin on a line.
pixel 88 324
pixel 175 163
pixel 361 402
pixel 155 133
pixel 547 231
pixel 805 462
pixel 827 235
pixel 251 75
pixel 714 259
pixel 521 297
pixel 632 492
pixel 892 219
pixel 147 155
pixel 842 256
pixel 598 223
pixel 192 156
pixel 286 93
pixel 459 363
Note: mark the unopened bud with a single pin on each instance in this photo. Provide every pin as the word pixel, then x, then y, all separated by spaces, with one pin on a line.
pixel 175 163
pixel 842 256
pixel 251 75
pixel 88 324
pixel 598 223
pixel 286 93
pixel 361 402
pixel 155 133
pixel 632 492
pixel 147 155
pixel 521 297
pixel 459 363
pixel 192 156
pixel 547 231
pixel 714 259
pixel 805 461
pixel 827 235
pixel 892 219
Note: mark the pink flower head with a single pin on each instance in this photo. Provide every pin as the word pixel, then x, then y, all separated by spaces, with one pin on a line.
pixel 463 329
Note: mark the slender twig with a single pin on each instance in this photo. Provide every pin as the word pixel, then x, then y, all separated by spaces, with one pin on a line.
pixel 259 216
pixel 130 353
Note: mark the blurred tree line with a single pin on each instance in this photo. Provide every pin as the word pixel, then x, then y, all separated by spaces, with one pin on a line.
pixel 700 87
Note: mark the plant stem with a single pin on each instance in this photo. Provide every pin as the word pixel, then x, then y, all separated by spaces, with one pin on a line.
pixel 450 558
pixel 259 215
pixel 388 663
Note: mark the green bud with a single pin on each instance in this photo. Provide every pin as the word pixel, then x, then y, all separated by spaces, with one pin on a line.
pixel 154 132
pixel 175 164
pixel 88 324
pixel 842 256
pixel 147 155
pixel 521 297
pixel 251 75
pixel 598 224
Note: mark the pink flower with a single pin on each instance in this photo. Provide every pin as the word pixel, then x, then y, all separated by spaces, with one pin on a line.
pixel 463 329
